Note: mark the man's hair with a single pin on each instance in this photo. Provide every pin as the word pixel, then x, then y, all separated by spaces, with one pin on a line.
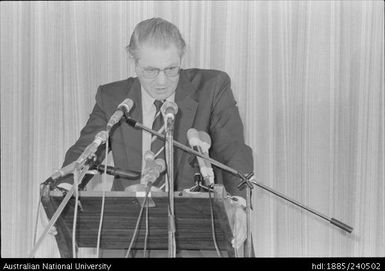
pixel 157 32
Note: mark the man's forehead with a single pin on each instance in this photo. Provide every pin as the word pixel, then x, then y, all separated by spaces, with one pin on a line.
pixel 158 56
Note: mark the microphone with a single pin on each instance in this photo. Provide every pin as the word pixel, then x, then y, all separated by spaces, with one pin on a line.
pixel 123 108
pixel 206 141
pixel 169 110
pixel 205 146
pixel 194 140
pixel 153 168
pixel 195 143
pixel 118 172
pixel 100 138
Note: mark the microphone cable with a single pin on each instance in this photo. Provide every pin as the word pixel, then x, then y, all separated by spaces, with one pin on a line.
pixel 138 221
pixel 77 178
pixel 146 233
pixel 213 226
pixel 104 184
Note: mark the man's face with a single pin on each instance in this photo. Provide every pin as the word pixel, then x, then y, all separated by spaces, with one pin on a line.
pixel 151 59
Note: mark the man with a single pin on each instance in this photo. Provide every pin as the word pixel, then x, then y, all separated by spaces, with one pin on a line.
pixel 205 102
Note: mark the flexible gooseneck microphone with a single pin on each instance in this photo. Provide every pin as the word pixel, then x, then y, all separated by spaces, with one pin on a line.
pixel 169 110
pixel 100 138
pixel 123 108
pixel 152 169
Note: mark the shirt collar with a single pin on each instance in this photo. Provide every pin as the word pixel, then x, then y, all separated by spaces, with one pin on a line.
pixel 148 101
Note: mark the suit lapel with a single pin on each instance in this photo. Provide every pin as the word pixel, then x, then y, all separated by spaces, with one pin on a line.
pixel 133 136
pixel 187 107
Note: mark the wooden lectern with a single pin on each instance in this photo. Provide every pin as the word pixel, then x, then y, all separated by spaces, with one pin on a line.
pixel 192 215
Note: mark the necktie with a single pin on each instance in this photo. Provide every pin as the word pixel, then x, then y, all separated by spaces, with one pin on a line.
pixel 157 145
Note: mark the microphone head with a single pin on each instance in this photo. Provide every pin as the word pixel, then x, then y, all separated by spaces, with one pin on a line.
pixel 169 109
pixel 149 156
pixel 126 105
pixel 101 137
pixel 161 164
pixel 193 137
pixel 205 139
pixel 123 108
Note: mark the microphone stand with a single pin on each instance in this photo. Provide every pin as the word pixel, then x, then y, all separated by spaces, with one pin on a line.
pixel 170 175
pixel 248 222
pixel 245 180
pixel 81 173
pixel 179 145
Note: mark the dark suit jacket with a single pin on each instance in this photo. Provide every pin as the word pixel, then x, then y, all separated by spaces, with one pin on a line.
pixel 205 102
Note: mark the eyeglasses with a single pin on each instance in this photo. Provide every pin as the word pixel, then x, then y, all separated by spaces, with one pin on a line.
pixel 151 73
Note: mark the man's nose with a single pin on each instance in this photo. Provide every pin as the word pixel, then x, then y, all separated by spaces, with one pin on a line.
pixel 161 79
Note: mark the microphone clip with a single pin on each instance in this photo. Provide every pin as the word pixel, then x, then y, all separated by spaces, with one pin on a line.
pixel 245 180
